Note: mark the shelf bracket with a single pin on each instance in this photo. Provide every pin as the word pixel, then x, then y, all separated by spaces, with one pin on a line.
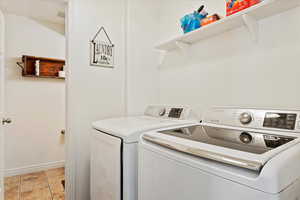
pixel 252 26
pixel 162 57
pixel 183 46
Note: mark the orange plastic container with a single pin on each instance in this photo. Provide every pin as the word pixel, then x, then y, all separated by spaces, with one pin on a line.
pixel 210 19
pixel 234 6
pixel 253 2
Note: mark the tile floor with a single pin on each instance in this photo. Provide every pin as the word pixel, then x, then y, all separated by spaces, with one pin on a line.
pixel 44 185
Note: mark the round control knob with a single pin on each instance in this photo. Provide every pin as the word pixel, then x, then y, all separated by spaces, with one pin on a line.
pixel 162 112
pixel 246 118
pixel 246 138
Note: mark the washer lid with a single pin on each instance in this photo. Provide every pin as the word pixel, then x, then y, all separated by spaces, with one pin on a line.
pixel 130 128
pixel 221 145
pixel 271 172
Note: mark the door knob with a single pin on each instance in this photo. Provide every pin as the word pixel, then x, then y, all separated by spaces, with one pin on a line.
pixel 6 121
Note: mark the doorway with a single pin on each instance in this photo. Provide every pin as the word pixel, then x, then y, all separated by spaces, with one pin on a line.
pixel 1 105
pixel 34 149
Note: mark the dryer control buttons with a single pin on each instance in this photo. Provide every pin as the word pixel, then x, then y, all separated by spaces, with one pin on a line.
pixel 246 118
pixel 162 112
pixel 175 113
pixel 246 138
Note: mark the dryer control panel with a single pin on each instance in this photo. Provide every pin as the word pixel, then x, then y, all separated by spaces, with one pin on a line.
pixel 279 120
pixel 169 112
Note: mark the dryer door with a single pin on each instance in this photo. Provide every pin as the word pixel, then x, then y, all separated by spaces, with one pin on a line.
pixel 106 155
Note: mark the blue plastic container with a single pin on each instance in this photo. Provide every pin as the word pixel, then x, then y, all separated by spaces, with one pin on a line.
pixel 192 21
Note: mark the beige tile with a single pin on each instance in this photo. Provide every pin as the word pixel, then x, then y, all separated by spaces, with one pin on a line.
pixel 55 172
pixel 57 190
pixel 36 194
pixel 12 179
pixel 33 175
pixel 12 192
pixel 31 187
pixel 11 186
pixel 59 197
pixel 12 197
pixel 45 185
pixel 56 187
pixel 37 176
pixel 56 179
pixel 33 181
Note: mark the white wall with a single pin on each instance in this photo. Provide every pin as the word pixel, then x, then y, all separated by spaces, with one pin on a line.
pixel 150 22
pixel 230 69
pixel 93 93
pixel 142 59
pixel 36 106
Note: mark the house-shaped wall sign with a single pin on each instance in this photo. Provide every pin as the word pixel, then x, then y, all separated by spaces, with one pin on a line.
pixel 102 50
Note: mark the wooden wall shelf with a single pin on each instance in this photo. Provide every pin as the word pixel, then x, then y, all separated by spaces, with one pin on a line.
pixel 49 67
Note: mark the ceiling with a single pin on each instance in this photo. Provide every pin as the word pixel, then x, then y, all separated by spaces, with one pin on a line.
pixel 44 10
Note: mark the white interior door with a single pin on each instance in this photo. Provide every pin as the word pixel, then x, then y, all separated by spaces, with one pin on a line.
pixel 1 105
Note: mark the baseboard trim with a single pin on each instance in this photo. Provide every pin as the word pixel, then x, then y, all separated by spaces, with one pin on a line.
pixel 33 168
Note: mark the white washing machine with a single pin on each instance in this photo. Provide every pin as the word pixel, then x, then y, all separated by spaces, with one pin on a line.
pixel 234 154
pixel 114 150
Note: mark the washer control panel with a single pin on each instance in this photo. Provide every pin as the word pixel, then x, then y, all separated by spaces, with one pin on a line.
pixel 280 120
pixel 276 141
pixel 246 138
pixel 256 139
pixel 246 118
pixel 255 118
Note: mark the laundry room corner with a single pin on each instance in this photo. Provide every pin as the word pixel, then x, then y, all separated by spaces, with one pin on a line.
pixel 225 69
pixel 149 100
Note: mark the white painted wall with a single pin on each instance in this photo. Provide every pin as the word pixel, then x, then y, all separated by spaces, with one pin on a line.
pixel 142 59
pixel 93 93
pixel 150 22
pixel 230 69
pixel 36 106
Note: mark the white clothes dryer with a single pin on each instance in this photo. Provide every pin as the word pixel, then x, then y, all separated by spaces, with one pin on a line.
pixel 114 149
